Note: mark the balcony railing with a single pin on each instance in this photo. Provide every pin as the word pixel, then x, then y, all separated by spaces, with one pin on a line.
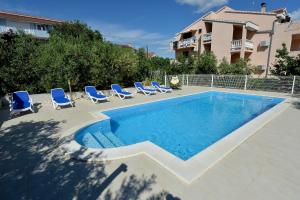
pixel 187 42
pixel 33 32
pixel 5 29
pixel 207 37
pixel 237 45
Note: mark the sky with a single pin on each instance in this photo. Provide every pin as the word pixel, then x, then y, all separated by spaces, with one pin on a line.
pixel 142 23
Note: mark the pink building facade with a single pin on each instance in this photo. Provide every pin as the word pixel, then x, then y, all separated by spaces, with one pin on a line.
pixel 235 34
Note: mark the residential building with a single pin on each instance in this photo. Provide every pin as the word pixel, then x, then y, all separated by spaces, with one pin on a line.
pixel 235 34
pixel 36 26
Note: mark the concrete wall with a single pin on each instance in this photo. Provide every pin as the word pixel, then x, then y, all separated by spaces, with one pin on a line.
pixel 221 45
pixel 18 25
pixel 283 34
pixel 259 54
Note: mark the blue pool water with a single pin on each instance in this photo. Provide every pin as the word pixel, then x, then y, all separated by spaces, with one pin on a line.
pixel 184 126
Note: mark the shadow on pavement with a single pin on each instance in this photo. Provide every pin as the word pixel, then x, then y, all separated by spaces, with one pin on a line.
pixel 32 166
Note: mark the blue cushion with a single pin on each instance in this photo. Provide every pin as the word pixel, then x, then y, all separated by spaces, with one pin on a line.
pixel 98 96
pixel 139 85
pixel 57 93
pixel 20 100
pixel 20 105
pixel 155 84
pixel 149 90
pixel 125 93
pixel 119 90
pixel 93 92
pixel 116 87
pixel 61 100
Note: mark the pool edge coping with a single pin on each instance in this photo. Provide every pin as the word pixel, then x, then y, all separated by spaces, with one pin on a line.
pixel 188 170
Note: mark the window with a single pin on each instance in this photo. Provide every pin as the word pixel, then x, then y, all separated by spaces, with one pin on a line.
pixel 42 27
pixel 185 54
pixel 187 35
pixel 200 31
pixel 295 43
pixel 2 21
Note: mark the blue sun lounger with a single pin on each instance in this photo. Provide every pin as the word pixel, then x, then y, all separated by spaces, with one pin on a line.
pixel 20 102
pixel 160 88
pixel 140 88
pixel 116 88
pixel 94 95
pixel 59 98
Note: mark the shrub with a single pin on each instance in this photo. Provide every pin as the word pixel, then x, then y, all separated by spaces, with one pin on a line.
pixel 17 68
pixel 285 64
pixel 206 64
pixel 72 53
pixel 241 66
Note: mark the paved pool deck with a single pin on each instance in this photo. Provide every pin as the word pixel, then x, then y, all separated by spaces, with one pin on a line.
pixel 32 165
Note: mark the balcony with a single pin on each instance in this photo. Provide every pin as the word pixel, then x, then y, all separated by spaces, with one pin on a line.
pixel 207 37
pixel 236 45
pixel 185 43
pixel 35 33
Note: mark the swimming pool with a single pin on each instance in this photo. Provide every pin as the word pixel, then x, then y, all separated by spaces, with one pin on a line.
pixel 183 126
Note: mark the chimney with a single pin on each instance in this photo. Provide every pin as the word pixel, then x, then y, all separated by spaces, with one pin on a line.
pixel 263 7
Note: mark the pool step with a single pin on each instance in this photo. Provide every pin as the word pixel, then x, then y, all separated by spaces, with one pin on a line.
pixel 103 140
pixel 114 139
pixel 90 140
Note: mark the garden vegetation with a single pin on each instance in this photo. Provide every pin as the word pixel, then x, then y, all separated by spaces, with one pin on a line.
pixel 77 55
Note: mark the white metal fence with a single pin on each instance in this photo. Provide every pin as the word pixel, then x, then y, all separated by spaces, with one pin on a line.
pixel 284 84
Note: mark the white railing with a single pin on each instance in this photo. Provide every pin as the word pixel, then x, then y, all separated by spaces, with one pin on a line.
pixel 33 32
pixel 237 44
pixel 187 42
pixel 5 29
pixel 282 84
pixel 206 37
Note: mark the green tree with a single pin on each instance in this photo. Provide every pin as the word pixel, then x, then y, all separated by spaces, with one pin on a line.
pixel 224 67
pixel 160 63
pixel 183 65
pixel 285 64
pixel 241 66
pixel 206 64
pixel 113 64
pixel 72 53
pixel 144 64
pixel 17 69
pixel 67 56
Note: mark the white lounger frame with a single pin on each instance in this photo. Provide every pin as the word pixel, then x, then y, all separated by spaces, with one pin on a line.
pixel 138 89
pixel 121 96
pixel 94 99
pixel 15 111
pixel 56 104
pixel 163 90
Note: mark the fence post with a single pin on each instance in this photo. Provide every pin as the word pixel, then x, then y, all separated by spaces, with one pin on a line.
pixel 182 79
pixel 246 81
pixel 187 80
pixel 212 81
pixel 165 79
pixel 70 89
pixel 293 86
